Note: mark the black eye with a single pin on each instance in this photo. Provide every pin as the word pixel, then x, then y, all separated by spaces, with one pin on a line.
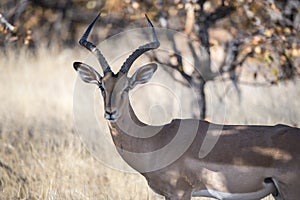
pixel 102 89
pixel 126 89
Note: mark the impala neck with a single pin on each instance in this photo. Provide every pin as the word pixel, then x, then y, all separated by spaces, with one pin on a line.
pixel 127 120
pixel 128 115
pixel 129 133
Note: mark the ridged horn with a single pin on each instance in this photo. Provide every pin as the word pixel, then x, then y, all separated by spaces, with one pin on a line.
pixel 140 50
pixel 93 48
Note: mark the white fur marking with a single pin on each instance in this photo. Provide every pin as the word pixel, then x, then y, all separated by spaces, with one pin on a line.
pixel 268 189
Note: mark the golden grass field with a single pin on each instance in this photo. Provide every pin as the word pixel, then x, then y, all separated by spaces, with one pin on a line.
pixel 42 156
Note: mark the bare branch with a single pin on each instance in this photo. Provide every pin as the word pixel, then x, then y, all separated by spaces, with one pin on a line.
pixel 219 13
pixel 6 24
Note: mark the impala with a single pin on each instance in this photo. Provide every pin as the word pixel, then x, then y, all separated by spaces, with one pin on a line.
pixel 246 162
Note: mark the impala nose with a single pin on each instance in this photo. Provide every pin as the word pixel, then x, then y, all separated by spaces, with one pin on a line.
pixel 111 116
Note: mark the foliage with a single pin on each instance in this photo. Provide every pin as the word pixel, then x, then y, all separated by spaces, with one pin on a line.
pixel 263 32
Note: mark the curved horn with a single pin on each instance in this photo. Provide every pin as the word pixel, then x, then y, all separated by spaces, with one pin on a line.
pixel 91 47
pixel 142 49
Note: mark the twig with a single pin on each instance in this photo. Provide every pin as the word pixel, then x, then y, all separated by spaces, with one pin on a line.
pixel 6 23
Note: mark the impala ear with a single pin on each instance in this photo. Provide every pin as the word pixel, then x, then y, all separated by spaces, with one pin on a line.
pixel 143 74
pixel 87 73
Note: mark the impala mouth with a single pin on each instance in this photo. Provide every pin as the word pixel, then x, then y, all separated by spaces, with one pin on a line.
pixel 112 120
pixel 111 116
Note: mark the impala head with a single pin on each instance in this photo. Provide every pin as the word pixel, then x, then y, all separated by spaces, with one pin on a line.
pixel 115 87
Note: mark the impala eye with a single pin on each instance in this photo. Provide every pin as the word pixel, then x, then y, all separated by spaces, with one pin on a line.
pixel 126 89
pixel 102 89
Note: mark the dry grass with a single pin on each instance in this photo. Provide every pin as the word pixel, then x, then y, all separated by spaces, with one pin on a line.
pixel 41 155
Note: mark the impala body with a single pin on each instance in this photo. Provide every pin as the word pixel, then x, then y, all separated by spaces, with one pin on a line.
pixel 247 162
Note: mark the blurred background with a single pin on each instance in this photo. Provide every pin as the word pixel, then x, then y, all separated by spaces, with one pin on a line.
pixel 232 62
